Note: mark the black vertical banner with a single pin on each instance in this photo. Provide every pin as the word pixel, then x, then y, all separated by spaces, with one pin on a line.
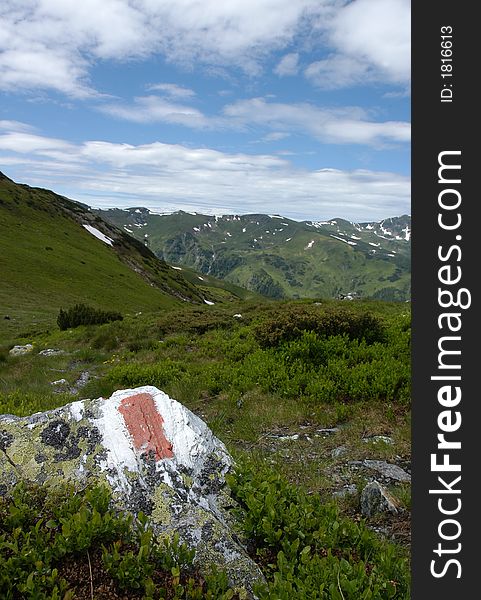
pixel 446 246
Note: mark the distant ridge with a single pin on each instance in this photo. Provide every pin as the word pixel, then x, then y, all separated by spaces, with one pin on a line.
pixel 279 257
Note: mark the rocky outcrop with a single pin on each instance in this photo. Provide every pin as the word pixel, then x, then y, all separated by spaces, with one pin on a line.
pixel 155 455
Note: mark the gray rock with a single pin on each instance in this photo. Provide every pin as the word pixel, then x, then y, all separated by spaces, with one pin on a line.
pixel 375 439
pixel 348 490
pixel 284 438
pixel 155 455
pixel 83 379
pixel 339 451
pixel 376 499
pixel 20 350
pixel 51 352
pixel 388 470
pixel 328 430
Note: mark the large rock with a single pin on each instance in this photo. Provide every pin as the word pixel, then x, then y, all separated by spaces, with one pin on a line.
pixel 387 470
pixel 156 456
pixel 376 499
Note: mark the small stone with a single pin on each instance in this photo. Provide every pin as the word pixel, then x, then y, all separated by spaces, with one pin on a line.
pixel 59 382
pixel 376 499
pixel 349 490
pixel 20 350
pixel 339 451
pixel 379 438
pixel 328 430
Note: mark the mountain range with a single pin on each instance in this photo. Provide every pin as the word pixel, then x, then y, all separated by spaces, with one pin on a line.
pixel 279 257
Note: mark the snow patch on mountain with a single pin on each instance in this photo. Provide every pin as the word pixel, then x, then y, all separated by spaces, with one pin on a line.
pixel 343 240
pixel 98 234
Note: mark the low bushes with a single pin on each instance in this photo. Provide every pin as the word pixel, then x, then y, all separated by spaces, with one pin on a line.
pixel 308 550
pixel 290 325
pixel 82 314
pixel 134 374
pixel 70 544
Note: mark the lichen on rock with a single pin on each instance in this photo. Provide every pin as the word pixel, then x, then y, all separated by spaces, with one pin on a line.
pixel 156 456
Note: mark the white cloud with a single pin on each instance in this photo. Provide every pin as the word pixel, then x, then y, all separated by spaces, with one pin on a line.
pixel 172 89
pixel 275 136
pixel 53 43
pixel 151 109
pixel 288 65
pixel 26 143
pixel 372 42
pixel 348 125
pixel 15 126
pixel 338 71
pixel 169 177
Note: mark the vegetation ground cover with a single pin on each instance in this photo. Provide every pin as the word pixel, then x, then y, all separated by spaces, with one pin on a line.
pixel 270 379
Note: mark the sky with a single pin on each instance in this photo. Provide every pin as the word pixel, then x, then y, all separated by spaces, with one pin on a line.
pixel 292 107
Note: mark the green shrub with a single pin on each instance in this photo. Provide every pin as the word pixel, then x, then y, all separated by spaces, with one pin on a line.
pixel 197 320
pixel 308 550
pixel 82 314
pixel 135 374
pixel 290 325
pixel 43 530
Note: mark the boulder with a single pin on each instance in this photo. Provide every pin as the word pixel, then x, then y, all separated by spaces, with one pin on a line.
pixel 388 470
pixel 376 499
pixel 20 350
pixel 155 455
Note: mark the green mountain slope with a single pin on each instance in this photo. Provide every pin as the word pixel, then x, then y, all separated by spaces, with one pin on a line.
pixel 51 257
pixel 279 257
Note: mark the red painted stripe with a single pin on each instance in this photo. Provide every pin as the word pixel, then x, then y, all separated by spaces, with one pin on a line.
pixel 145 425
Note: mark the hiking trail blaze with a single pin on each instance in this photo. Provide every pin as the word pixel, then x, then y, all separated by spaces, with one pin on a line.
pixel 145 425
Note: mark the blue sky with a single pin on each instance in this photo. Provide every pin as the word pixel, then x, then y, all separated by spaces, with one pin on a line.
pixel 299 108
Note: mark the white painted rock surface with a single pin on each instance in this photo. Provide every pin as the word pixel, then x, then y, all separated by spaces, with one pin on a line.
pixel 156 456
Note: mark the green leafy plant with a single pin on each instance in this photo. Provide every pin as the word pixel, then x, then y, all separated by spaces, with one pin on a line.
pixel 82 314
pixel 308 550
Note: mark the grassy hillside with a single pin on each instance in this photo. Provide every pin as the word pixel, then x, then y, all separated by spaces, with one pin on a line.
pixel 50 260
pixel 219 290
pixel 279 257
